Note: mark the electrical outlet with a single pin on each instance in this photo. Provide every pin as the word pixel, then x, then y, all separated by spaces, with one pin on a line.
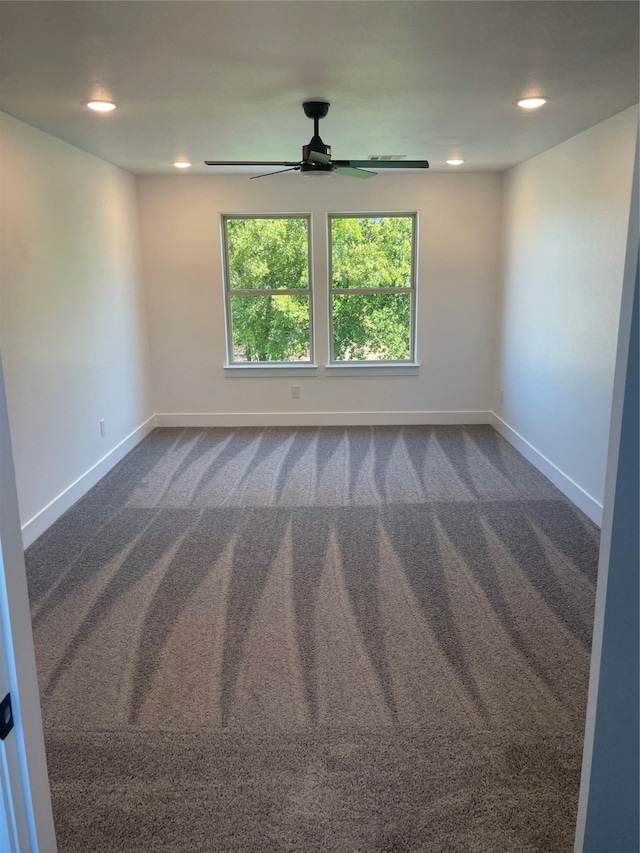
pixel 295 391
pixel 103 429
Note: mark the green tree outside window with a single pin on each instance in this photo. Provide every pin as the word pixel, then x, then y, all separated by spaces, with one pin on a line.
pixel 372 289
pixel 268 291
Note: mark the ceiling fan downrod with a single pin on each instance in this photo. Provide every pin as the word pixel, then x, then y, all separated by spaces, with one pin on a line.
pixel 310 166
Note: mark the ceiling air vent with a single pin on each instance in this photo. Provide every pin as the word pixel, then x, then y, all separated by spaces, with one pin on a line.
pixel 387 156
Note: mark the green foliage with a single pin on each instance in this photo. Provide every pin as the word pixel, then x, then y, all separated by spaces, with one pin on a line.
pixel 371 253
pixel 368 253
pixel 371 327
pixel 270 328
pixel 269 254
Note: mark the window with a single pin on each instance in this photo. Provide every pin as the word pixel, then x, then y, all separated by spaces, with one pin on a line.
pixel 371 289
pixel 372 284
pixel 267 289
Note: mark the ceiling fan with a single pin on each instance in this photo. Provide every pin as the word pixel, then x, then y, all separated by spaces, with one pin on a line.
pixel 316 156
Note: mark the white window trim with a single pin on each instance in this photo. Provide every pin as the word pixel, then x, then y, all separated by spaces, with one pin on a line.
pixel 228 292
pixel 412 361
pixel 271 365
pixel 410 366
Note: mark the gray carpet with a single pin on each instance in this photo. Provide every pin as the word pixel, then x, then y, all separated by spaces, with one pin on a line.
pixel 335 639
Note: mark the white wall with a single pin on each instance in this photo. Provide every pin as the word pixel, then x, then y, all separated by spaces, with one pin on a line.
pixel 459 221
pixel 565 230
pixel 72 316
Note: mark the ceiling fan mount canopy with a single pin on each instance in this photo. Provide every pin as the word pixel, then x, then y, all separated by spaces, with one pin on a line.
pixel 316 109
pixel 316 156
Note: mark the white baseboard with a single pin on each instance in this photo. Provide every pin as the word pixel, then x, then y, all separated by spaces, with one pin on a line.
pixel 60 504
pixel 583 500
pixel 237 419
pixel 46 516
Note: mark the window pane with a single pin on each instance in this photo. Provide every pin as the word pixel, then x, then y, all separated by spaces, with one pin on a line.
pixel 265 254
pixel 270 328
pixel 371 327
pixel 372 251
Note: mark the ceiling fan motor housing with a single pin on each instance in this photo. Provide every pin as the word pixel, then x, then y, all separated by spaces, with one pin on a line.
pixel 316 168
pixel 307 167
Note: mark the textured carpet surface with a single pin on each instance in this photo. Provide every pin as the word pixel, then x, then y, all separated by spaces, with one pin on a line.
pixel 341 639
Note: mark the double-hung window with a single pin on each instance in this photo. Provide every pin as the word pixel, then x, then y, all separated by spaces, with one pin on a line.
pixel 267 289
pixel 372 288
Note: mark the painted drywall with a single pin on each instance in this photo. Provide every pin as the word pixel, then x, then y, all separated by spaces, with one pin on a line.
pixel 458 255
pixel 72 313
pixel 565 218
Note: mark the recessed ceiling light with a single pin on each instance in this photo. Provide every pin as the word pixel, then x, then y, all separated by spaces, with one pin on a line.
pixel 531 103
pixel 455 162
pixel 182 164
pixel 101 106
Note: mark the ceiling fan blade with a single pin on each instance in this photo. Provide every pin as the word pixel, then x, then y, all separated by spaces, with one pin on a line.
pixel 248 163
pixel 318 157
pixel 354 172
pixel 279 172
pixel 384 164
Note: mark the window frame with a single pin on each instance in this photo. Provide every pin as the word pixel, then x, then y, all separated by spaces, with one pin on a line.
pixel 412 290
pixel 248 292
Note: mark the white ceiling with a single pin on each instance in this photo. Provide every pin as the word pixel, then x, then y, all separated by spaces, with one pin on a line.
pixel 225 80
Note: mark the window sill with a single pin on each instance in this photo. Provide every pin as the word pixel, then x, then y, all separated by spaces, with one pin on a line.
pixel 409 366
pixel 265 365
